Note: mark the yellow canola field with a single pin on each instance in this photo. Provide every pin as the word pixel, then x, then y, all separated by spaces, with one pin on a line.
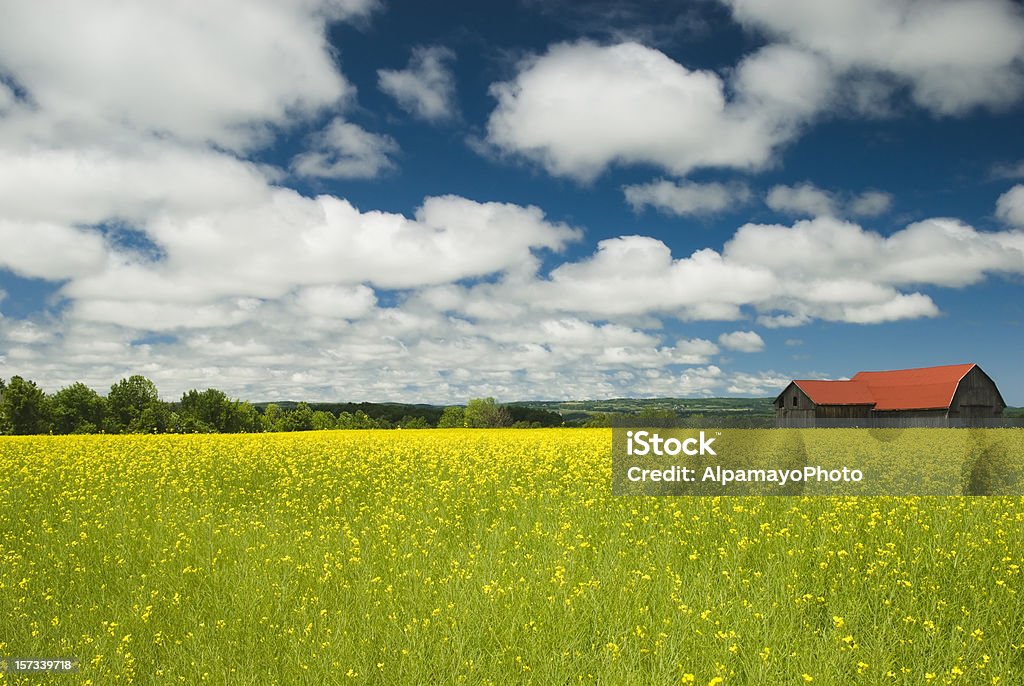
pixel 481 557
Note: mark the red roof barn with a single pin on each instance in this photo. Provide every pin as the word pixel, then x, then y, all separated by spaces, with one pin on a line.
pixel 929 396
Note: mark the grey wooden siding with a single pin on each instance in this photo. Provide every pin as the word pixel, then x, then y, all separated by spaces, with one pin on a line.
pixel 976 397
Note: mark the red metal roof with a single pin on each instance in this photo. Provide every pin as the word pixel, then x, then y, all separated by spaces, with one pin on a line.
pixel 836 392
pixel 914 389
pixel 901 389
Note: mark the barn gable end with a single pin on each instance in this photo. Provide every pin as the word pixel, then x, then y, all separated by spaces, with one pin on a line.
pixel 794 403
pixel 977 396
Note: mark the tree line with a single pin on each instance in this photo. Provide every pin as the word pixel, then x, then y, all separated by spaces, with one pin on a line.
pixel 133 405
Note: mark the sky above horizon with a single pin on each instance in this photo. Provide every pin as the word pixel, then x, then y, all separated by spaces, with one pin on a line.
pixel 360 200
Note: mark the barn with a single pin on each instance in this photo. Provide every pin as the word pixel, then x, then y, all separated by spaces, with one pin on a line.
pixel 952 395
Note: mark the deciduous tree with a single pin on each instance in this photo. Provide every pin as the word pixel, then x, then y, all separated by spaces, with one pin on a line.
pixel 25 408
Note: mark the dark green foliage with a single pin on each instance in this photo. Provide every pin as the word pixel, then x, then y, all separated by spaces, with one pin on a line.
pixel 453 417
pixel 533 415
pixel 155 418
pixel 358 420
pixel 190 424
pixel 128 402
pixel 270 420
pixel 485 413
pixel 5 424
pixel 24 407
pixel 602 419
pixel 299 419
pixel 324 420
pixel 391 412
pixel 212 411
pixel 247 417
pixel 204 411
pixel 78 409
pixel 410 422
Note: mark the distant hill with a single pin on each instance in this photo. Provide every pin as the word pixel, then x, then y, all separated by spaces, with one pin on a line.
pixel 580 411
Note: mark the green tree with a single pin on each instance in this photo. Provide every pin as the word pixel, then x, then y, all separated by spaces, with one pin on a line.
pixel 323 420
pixel 299 419
pixel 212 408
pixel 485 413
pixel 411 422
pixel 155 418
pixel 271 418
pixel 25 408
pixel 186 423
pixel 129 399
pixel 247 417
pixel 201 409
pixel 598 420
pixel 453 417
pixel 5 424
pixel 78 409
pixel 358 420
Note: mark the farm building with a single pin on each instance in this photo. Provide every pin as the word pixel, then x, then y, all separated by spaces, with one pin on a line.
pixel 953 395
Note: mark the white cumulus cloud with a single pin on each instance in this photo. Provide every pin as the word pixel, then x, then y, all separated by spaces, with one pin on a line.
pixel 580 107
pixel 823 268
pixel 343 302
pixel 1010 206
pixel 742 341
pixel 293 241
pixel 426 87
pixel 802 199
pixel 686 198
pixel 806 199
pixel 91 185
pixel 953 55
pixel 198 72
pixel 344 150
pixel 56 252
pixel 870 204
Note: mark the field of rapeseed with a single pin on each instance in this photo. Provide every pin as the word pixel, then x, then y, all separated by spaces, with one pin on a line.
pixel 483 557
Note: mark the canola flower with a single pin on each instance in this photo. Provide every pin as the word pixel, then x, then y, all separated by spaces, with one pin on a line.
pixel 483 557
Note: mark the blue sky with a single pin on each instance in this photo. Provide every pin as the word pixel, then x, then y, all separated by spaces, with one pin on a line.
pixel 359 200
